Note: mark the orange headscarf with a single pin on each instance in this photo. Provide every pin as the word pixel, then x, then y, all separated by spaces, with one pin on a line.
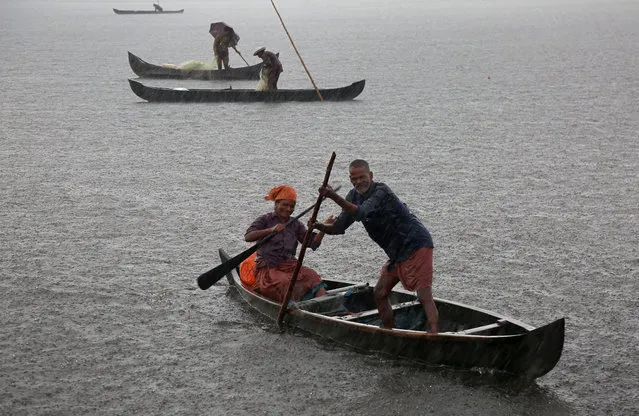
pixel 281 192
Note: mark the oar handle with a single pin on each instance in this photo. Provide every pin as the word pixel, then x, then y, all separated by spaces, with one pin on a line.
pixel 307 239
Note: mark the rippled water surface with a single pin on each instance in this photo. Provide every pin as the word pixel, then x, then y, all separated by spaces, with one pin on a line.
pixel 508 127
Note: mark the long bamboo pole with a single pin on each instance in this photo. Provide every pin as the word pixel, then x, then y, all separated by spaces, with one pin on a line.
pixel 319 94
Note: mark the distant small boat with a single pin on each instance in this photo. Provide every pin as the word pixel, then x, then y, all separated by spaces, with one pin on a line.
pixel 194 95
pixel 118 11
pixel 144 69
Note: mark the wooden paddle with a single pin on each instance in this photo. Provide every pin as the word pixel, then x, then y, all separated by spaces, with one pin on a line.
pixel 208 279
pixel 307 240
pixel 238 52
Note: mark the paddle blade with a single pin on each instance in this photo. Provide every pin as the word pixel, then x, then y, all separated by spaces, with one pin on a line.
pixel 208 279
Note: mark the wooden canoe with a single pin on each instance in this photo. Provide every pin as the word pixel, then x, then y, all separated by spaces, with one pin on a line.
pixel 144 69
pixel 118 11
pixel 470 338
pixel 186 95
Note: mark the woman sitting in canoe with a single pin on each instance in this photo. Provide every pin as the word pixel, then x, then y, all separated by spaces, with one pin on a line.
pixel 275 262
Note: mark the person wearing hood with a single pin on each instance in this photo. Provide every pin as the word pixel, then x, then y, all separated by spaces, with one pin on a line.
pixel 221 44
pixel 271 69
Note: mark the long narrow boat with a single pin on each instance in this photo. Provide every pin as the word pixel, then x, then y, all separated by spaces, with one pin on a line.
pixel 119 11
pixel 469 338
pixel 186 95
pixel 144 69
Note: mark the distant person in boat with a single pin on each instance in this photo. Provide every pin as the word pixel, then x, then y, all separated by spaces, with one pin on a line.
pixel 271 70
pixel 158 8
pixel 221 45
pixel 275 262
pixel 389 223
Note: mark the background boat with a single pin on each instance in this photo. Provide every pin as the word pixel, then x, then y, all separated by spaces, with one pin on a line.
pixel 198 95
pixel 119 11
pixel 144 69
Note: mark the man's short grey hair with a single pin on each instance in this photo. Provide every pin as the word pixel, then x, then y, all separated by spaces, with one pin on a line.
pixel 359 163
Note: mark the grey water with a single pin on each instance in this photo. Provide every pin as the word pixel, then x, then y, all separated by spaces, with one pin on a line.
pixel 508 127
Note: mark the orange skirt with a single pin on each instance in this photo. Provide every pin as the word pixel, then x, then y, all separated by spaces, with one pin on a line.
pixel 414 273
pixel 273 282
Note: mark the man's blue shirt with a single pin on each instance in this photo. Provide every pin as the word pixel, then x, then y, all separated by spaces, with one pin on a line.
pixel 388 222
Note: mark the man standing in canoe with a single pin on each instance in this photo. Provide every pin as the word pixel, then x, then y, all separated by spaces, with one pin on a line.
pixel 271 70
pixel 389 223
pixel 224 39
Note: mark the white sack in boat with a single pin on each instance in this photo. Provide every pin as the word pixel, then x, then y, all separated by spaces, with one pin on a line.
pixel 198 65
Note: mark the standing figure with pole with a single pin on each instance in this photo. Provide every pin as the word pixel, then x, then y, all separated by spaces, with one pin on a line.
pixel 401 235
pixel 224 38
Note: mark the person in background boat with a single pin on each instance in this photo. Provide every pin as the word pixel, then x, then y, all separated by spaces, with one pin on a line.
pixel 158 8
pixel 275 262
pixel 221 45
pixel 271 70
pixel 389 223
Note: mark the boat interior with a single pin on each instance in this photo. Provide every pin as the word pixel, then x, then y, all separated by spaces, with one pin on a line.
pixel 356 303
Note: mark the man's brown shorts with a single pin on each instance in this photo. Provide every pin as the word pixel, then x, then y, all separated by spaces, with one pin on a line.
pixel 416 272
